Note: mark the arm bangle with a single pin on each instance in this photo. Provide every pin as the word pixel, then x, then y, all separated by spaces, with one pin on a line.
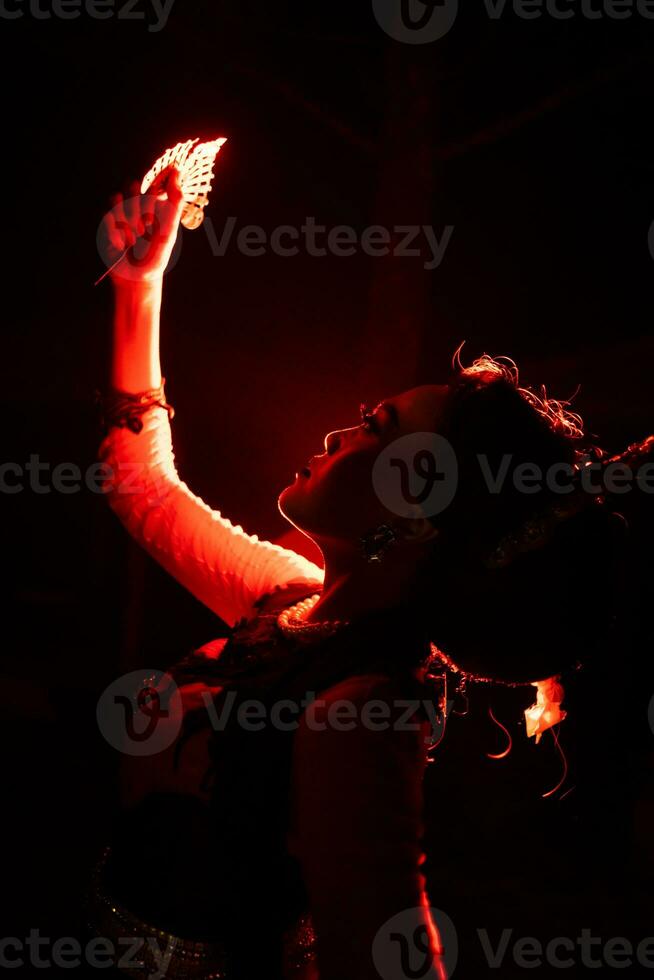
pixel 124 410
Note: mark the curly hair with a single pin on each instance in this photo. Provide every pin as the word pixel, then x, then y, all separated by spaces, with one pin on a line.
pixel 486 370
pixel 503 433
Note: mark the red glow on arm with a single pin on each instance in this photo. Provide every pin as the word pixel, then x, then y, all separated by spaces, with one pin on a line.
pixel 435 941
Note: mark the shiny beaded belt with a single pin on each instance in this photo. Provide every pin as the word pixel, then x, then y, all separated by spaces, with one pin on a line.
pixel 186 959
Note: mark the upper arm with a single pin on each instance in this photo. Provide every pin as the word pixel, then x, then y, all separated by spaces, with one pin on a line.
pixel 225 568
pixel 356 831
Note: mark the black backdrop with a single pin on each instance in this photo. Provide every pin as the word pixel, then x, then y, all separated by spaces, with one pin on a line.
pixel 532 139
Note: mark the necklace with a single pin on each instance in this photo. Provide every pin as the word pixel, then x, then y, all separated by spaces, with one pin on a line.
pixel 292 622
pixel 439 658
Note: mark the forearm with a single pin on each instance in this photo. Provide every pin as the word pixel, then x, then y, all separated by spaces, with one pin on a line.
pixel 135 364
pixel 219 563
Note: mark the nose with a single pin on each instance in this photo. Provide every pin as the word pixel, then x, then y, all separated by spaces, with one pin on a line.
pixel 333 442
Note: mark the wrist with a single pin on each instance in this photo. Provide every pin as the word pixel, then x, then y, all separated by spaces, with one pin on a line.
pixel 135 362
pixel 138 287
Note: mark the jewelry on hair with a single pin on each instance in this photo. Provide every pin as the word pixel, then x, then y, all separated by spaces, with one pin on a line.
pixel 124 410
pixel 375 544
pixel 292 622
pixel 536 532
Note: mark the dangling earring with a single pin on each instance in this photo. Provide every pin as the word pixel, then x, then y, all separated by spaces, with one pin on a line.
pixel 375 544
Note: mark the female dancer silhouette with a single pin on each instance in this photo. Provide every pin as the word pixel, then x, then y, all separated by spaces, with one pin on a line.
pixel 324 816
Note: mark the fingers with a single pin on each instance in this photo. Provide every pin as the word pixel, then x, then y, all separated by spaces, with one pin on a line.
pixel 173 187
pixel 132 206
pixel 126 221
pixel 111 233
pixel 169 212
pixel 118 226
pixel 144 226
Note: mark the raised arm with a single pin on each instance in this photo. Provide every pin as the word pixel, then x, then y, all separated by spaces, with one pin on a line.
pixel 219 563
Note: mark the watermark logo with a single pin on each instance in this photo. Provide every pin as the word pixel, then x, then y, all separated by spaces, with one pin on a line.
pixel 417 944
pixel 416 21
pixel 41 477
pixel 115 233
pixel 153 12
pixel 136 955
pixel 565 952
pixel 424 21
pixel 416 475
pixel 141 713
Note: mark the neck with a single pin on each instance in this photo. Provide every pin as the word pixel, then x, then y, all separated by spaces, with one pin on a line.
pixel 354 587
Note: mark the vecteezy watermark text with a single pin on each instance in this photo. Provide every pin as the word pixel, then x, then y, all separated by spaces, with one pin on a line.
pixel 418 475
pixel 67 952
pixel 154 12
pixel 425 21
pixel 342 241
pixel 141 713
pixel 422 242
pixel 402 948
pixel 41 477
pixel 564 952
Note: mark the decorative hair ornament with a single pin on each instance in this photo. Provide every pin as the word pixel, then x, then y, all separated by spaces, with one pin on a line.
pixel 636 454
pixel 537 531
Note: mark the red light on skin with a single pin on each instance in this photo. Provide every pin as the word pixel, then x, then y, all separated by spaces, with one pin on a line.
pixel 195 164
pixel 435 941
pixel 307 471
pixel 300 543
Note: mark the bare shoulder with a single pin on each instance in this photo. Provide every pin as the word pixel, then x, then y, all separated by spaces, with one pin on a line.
pixel 362 717
pixel 361 687
pixel 359 757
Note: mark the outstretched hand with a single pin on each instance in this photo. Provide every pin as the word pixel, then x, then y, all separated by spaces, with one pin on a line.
pixel 143 228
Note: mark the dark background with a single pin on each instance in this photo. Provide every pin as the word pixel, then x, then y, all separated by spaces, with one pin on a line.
pixel 531 138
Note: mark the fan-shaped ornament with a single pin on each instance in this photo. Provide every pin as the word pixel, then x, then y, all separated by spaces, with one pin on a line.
pixel 195 162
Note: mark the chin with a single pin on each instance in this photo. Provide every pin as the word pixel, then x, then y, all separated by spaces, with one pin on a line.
pixel 289 504
pixel 295 504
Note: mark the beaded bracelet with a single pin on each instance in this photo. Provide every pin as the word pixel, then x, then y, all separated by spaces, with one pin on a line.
pixel 125 410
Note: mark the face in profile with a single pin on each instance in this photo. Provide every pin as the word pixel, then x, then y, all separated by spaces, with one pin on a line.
pixel 333 497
